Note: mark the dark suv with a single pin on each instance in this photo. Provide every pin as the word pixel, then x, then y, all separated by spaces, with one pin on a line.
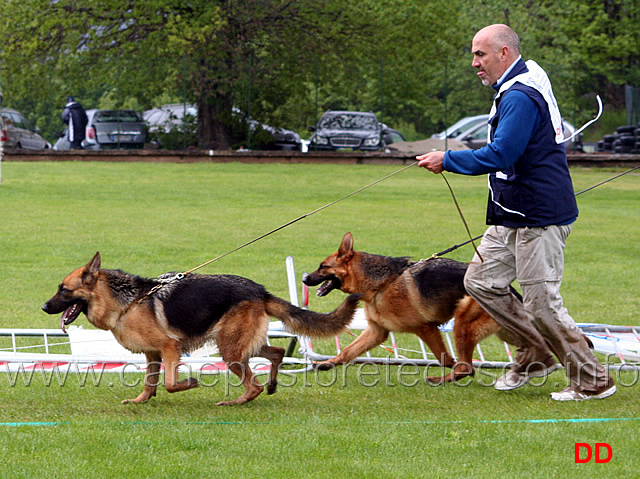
pixel 355 130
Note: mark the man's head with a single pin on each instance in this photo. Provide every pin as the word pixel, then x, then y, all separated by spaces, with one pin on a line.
pixel 494 49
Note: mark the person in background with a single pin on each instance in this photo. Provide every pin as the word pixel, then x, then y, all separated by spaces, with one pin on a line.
pixel 530 213
pixel 75 117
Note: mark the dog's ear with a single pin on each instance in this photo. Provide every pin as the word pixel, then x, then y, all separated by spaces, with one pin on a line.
pixel 90 273
pixel 346 246
pixel 94 264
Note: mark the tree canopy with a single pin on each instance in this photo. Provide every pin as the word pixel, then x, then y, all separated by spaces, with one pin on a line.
pixel 284 62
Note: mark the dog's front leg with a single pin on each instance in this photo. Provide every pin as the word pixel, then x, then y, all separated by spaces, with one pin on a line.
pixel 151 378
pixel 371 337
pixel 430 334
pixel 472 325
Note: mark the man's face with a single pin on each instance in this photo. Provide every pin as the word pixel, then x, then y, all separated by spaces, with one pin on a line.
pixel 489 61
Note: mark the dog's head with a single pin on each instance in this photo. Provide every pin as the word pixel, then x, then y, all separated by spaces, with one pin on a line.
pixel 334 270
pixel 74 293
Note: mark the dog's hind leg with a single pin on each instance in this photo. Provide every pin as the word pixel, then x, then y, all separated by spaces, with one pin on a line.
pixel 372 336
pixel 472 325
pixel 252 388
pixel 171 354
pixel 151 378
pixel 241 334
pixel 275 355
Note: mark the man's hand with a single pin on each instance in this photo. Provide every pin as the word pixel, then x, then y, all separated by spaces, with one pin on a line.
pixel 431 161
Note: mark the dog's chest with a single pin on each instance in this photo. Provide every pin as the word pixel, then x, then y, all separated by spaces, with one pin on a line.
pixel 380 313
pixel 396 307
pixel 130 340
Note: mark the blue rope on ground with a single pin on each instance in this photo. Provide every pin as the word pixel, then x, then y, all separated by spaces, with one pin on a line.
pixel 242 423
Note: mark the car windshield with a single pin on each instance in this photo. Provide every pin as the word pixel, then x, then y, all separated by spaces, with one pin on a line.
pixel 112 116
pixel 348 121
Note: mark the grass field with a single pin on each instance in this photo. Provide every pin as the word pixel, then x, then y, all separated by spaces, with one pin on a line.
pixel 152 218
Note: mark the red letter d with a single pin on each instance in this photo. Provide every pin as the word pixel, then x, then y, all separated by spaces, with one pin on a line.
pixel 587 447
pixel 608 447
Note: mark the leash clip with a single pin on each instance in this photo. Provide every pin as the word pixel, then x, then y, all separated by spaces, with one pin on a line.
pixel 168 278
pixel 163 280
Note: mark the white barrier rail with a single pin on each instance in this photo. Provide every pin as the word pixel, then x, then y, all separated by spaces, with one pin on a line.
pixel 92 349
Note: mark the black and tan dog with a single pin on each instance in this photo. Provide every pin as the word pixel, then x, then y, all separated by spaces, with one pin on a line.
pixel 406 296
pixel 182 315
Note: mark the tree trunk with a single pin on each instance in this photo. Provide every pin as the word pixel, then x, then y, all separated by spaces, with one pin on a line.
pixel 214 123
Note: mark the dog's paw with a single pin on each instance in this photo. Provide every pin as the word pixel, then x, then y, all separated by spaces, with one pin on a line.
pixel 324 366
pixel 144 397
pixel 134 401
pixel 192 383
pixel 437 380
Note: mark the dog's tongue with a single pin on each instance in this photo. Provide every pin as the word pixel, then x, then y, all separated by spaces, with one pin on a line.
pixel 70 314
pixel 324 288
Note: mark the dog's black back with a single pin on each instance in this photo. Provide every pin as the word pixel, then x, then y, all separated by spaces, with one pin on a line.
pixel 195 303
pixel 436 277
pixel 440 282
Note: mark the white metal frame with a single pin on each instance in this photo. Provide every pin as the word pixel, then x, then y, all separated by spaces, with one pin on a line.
pixel 620 342
pixel 96 349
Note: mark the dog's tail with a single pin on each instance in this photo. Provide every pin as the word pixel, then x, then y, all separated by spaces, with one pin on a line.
pixel 310 323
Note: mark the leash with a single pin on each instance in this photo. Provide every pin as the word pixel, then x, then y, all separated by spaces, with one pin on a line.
pixel 299 218
pixel 464 221
pixel 179 276
pixel 165 279
pixel 610 179
pixel 471 240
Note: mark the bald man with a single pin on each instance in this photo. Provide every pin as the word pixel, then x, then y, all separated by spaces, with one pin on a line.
pixel 530 213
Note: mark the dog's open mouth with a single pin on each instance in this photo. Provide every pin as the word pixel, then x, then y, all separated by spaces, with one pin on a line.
pixel 328 286
pixel 70 315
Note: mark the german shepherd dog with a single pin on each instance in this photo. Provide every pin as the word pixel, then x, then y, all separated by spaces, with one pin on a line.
pixel 182 315
pixel 406 296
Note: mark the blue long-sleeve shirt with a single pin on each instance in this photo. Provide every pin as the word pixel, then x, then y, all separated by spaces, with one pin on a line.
pixel 519 118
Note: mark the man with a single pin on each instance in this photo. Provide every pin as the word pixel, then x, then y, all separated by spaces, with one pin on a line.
pixel 75 116
pixel 531 211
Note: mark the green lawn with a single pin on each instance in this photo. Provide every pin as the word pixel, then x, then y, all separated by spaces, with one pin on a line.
pixel 360 422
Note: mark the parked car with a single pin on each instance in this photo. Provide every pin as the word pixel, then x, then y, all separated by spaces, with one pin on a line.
pixel 171 118
pixel 173 126
pixel 168 117
pixel 391 135
pixel 17 132
pixel 461 126
pixel 286 140
pixel 110 129
pixel 338 130
pixel 472 131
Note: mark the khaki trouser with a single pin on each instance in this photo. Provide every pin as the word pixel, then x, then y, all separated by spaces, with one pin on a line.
pixel 535 257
